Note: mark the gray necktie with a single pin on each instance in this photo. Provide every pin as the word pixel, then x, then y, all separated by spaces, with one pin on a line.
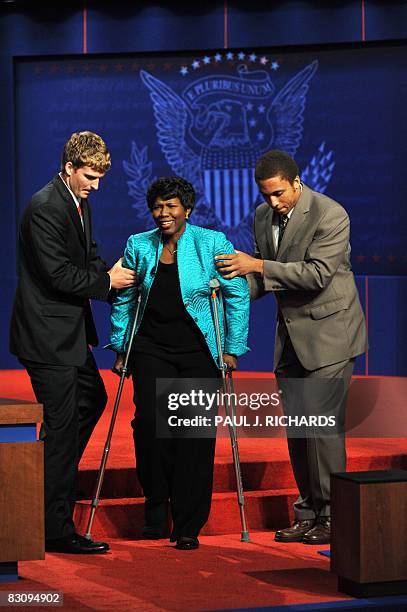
pixel 282 224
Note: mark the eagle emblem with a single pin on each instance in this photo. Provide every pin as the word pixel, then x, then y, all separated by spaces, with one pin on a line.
pixel 212 134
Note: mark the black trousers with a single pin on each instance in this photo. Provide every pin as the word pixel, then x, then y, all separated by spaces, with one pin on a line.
pixel 73 399
pixel 314 457
pixel 179 470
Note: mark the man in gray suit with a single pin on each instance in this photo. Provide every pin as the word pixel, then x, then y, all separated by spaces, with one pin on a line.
pixel 303 257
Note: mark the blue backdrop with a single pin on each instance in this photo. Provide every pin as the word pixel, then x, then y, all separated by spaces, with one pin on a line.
pixel 209 115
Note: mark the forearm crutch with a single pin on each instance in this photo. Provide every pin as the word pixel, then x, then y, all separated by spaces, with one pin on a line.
pixel 230 408
pixel 102 468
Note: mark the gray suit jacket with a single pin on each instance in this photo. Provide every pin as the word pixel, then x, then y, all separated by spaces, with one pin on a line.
pixel 312 280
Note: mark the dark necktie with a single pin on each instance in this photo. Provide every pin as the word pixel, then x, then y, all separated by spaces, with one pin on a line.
pixel 282 224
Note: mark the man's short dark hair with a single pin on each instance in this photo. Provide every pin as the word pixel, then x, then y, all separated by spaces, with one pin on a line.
pixel 276 163
pixel 168 187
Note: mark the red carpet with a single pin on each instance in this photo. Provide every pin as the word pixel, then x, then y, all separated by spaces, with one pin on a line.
pixel 223 573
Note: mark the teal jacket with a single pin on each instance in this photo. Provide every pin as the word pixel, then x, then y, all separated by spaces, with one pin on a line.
pixel 196 249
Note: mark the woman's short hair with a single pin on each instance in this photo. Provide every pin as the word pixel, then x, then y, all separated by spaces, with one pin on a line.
pixel 168 187
pixel 86 149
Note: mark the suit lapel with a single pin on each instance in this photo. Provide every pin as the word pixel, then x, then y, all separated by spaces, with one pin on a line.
pixel 296 221
pixel 264 233
pixel 73 213
pixel 269 232
pixel 72 210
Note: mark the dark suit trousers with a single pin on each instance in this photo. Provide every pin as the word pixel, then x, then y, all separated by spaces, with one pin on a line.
pixel 73 399
pixel 314 456
pixel 179 470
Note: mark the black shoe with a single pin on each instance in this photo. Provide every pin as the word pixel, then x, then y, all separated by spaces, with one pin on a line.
pixel 296 532
pixel 76 544
pixel 186 543
pixel 320 533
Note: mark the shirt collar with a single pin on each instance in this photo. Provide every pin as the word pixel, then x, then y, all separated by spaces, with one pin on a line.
pixel 75 199
pixel 276 216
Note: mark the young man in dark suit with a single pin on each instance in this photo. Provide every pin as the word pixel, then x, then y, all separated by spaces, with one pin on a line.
pixel 52 326
pixel 303 257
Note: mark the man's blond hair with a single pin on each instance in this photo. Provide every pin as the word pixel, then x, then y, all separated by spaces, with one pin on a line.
pixel 86 149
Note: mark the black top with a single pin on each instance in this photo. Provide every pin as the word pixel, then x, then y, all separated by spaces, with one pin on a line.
pixel 166 324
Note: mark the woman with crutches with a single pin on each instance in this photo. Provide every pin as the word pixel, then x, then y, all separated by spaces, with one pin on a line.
pixel 175 338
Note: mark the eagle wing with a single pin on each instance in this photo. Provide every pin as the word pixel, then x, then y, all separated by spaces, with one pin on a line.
pixel 172 119
pixel 286 113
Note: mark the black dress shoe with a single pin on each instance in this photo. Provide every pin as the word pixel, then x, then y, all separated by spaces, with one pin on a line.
pixel 296 532
pixel 76 544
pixel 320 533
pixel 186 543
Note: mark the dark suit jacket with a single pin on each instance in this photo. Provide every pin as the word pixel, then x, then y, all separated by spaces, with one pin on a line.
pixel 312 280
pixel 59 271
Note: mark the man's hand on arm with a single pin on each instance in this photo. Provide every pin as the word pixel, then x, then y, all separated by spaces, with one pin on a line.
pixel 238 264
pixel 121 278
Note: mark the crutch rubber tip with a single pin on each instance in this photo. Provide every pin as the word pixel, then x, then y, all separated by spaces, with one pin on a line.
pixel 245 537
